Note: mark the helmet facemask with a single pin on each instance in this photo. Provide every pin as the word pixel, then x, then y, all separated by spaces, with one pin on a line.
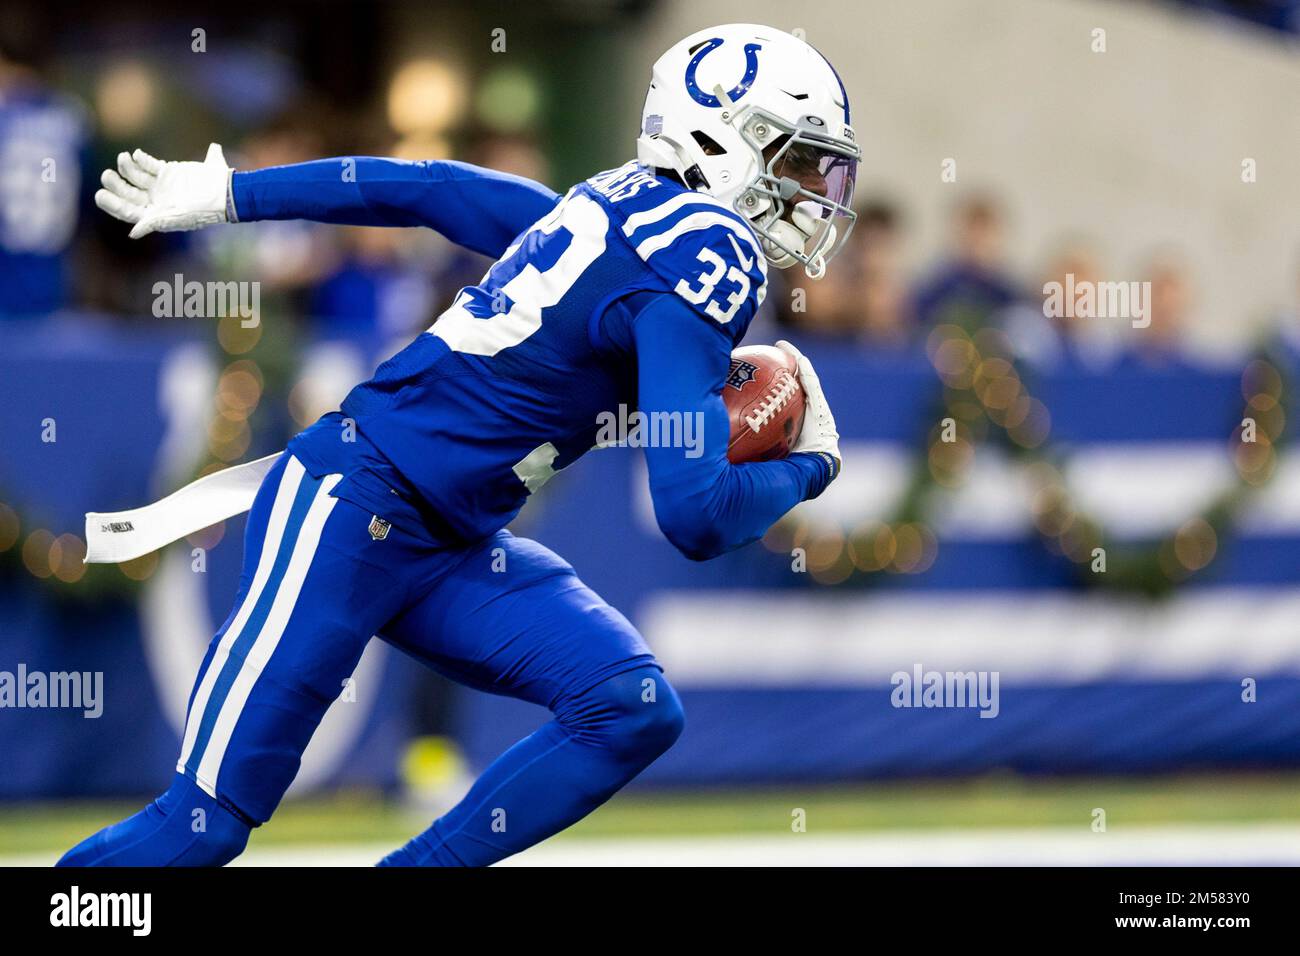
pixel 817 226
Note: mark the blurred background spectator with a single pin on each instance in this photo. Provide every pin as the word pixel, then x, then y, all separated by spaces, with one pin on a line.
pixel 1163 342
pixel 972 284
pixel 1044 341
pixel 44 172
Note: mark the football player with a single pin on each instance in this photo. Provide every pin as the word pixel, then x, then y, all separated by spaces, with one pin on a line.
pixel 387 517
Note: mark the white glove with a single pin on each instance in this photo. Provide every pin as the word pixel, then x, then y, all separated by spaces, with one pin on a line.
pixel 165 197
pixel 819 434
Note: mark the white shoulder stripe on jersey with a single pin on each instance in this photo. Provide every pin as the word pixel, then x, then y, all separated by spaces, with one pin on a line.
pixel 665 209
pixel 694 222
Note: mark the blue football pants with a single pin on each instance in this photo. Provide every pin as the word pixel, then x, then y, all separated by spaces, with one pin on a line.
pixel 505 616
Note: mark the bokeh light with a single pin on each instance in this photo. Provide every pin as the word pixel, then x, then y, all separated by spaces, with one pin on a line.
pixel 508 100
pixel 126 98
pixel 10 527
pixel 36 553
pixel 1195 544
pixel 67 558
pixel 426 96
pixel 140 569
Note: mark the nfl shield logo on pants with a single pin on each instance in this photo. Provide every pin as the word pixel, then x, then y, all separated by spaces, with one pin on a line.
pixel 378 528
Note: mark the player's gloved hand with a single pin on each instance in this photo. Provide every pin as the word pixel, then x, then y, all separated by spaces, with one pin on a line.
pixel 819 434
pixel 159 196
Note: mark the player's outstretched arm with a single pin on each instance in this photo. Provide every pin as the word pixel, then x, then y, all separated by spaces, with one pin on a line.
pixel 705 505
pixel 480 209
pixel 477 208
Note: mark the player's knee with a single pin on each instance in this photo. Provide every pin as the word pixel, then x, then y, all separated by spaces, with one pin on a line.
pixel 657 725
pixel 636 715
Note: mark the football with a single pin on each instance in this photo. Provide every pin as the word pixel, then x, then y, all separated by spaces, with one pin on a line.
pixel 765 403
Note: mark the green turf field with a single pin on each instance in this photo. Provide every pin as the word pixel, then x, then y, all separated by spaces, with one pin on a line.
pixel 1000 801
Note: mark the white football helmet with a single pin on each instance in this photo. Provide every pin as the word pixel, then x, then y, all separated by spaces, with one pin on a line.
pixel 719 98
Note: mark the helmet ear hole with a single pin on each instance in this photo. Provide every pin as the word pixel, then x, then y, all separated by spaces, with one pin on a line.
pixel 707 143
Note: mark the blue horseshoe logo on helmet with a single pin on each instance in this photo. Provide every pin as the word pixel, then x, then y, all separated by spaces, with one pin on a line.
pixel 736 92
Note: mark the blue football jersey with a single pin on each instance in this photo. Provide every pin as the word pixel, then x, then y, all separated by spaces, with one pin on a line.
pixel 43 143
pixel 508 385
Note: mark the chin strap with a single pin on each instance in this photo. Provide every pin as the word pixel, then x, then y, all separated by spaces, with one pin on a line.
pixel 796 235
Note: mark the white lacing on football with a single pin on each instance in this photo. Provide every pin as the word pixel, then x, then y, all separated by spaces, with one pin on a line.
pixel 778 396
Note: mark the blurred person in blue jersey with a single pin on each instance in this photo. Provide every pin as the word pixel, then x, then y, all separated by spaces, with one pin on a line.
pixel 971 286
pixel 387 517
pixel 44 143
pixel 378 291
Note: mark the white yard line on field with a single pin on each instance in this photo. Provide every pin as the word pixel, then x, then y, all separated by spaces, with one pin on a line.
pixel 1172 845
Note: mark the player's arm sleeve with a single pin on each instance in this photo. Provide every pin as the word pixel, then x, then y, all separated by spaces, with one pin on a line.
pixel 477 208
pixel 705 505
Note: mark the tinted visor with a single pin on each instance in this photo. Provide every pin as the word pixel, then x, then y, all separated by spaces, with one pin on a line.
pixel 826 171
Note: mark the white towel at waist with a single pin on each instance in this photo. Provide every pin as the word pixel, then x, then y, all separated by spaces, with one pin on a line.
pixel 123 535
